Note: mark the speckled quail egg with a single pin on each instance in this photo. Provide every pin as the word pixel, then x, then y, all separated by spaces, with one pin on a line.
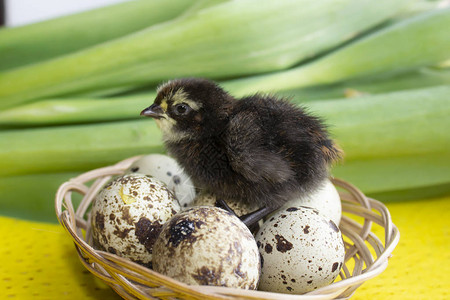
pixel 128 214
pixel 300 250
pixel 167 170
pixel 207 246
pixel 325 199
pixel 208 199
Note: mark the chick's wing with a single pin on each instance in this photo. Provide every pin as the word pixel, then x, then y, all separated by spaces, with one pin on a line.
pixel 248 153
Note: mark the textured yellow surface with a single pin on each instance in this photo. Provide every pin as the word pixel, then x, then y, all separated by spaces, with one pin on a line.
pixel 38 261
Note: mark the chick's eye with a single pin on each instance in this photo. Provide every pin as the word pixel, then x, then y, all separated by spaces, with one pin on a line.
pixel 182 109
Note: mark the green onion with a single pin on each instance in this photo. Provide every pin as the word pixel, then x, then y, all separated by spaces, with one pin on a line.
pixel 409 44
pixel 33 43
pixel 233 38
pixel 417 79
pixel 413 193
pixel 75 148
pixel 75 110
pixel 85 110
pixel 386 125
pixel 31 196
pixel 390 125
pixel 399 177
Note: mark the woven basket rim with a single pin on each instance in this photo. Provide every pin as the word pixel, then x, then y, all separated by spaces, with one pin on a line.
pixel 133 281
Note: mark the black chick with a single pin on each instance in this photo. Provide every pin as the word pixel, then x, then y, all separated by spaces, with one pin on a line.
pixel 259 149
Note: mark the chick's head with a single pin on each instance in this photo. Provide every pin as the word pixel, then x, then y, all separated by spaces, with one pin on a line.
pixel 189 108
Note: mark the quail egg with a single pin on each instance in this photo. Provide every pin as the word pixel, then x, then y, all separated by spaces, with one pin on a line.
pixel 207 246
pixel 301 251
pixel 167 170
pixel 326 200
pixel 128 214
pixel 208 199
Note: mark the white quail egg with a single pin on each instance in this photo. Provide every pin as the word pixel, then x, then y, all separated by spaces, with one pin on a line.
pixel 207 246
pixel 128 214
pixel 208 199
pixel 300 251
pixel 167 170
pixel 325 199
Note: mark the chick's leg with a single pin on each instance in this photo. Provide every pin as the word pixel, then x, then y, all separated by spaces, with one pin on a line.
pixel 253 218
pixel 254 226
pixel 222 204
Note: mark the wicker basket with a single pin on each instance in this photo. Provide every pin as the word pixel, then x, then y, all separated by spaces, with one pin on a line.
pixel 366 255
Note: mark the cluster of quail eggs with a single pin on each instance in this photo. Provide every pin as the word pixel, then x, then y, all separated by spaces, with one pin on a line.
pixel 154 216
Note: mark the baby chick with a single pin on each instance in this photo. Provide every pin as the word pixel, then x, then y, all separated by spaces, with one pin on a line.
pixel 259 149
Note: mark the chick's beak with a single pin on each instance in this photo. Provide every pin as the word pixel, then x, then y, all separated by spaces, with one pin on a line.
pixel 153 111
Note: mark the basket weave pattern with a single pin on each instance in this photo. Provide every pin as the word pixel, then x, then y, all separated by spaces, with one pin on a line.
pixel 366 255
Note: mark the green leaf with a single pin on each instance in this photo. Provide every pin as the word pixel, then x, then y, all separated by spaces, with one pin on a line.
pixel 75 148
pixel 32 197
pixel 37 42
pixel 409 44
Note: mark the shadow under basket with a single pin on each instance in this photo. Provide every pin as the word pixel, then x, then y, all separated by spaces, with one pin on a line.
pixel 366 255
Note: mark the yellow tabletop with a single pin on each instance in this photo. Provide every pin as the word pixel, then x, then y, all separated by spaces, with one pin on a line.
pixel 38 261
